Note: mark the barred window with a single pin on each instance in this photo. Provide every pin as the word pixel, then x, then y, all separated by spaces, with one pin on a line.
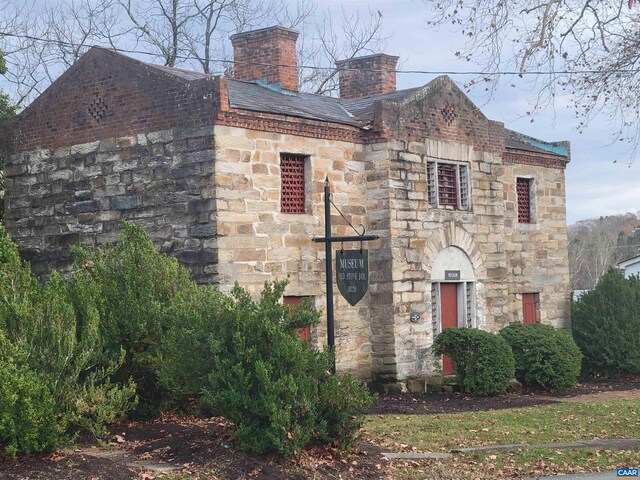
pixel 292 177
pixel 523 190
pixel 448 185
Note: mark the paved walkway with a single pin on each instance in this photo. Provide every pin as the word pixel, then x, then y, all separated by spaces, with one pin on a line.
pixel 596 397
pixel 615 443
pixel 582 476
pixel 125 458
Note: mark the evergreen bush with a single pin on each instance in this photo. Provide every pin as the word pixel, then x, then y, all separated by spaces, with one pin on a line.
pixel 606 325
pixel 27 406
pixel 128 288
pixel 483 362
pixel 250 367
pixel 546 357
pixel 61 353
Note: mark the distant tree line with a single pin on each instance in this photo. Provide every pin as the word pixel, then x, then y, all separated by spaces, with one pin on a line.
pixel 595 245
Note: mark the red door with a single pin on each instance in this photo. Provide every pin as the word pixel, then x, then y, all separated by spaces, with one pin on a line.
pixel 449 316
pixel 529 308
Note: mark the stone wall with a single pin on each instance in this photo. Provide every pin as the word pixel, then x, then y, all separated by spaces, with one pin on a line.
pixel 419 233
pixel 258 243
pixel 81 193
pixel 378 159
pixel 537 253
pixel 115 139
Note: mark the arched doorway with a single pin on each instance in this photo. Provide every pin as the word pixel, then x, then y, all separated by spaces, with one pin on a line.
pixel 453 299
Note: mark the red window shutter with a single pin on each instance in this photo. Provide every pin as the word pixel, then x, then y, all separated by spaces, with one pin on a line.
pixel 447 185
pixel 523 190
pixel 305 332
pixel 292 199
pixel 529 308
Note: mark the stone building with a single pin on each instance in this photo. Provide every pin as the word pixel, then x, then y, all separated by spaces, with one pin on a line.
pixel 227 175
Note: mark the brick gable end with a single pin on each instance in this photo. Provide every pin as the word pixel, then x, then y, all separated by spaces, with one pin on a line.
pixel 105 95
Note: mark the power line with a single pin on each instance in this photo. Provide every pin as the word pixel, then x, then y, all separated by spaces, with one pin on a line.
pixel 315 67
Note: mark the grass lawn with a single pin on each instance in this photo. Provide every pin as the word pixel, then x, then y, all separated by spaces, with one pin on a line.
pixel 562 422
pixel 514 464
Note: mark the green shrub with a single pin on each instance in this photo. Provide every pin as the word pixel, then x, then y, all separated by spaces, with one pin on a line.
pixel 62 352
pixel 27 406
pixel 341 403
pixel 247 364
pixel 187 353
pixel 606 326
pixel 129 287
pixel 483 362
pixel 546 357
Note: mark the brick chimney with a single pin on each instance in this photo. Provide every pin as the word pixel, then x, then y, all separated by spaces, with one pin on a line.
pixel 364 76
pixel 262 54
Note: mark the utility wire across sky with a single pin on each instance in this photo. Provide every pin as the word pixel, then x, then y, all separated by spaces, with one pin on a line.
pixel 630 71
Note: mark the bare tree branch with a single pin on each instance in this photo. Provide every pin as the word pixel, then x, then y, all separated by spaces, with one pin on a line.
pixel 49 36
pixel 589 51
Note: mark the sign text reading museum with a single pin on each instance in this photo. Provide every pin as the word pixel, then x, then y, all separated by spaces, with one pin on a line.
pixel 352 274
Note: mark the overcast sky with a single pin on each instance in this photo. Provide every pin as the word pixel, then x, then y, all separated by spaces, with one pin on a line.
pixel 596 186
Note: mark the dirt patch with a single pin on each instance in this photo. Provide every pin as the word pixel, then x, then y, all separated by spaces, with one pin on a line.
pixel 416 404
pixel 198 448
pixel 420 404
pixel 602 396
pixel 63 467
pixel 194 448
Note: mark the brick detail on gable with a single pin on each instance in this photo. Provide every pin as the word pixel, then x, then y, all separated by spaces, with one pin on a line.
pixel 266 122
pixel 441 112
pixel 536 159
pixel 107 95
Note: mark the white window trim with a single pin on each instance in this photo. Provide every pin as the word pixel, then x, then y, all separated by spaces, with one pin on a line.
pixel 436 186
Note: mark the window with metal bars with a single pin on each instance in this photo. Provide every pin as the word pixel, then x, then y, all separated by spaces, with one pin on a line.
pixel 292 179
pixel 448 185
pixel 523 190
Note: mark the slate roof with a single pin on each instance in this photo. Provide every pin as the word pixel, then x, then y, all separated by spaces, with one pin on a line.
pixel 259 98
pixel 519 141
pixel 262 97
pixel 363 108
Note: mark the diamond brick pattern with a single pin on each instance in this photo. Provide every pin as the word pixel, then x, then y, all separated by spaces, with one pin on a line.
pixel 292 199
pixel 98 108
pixel 449 114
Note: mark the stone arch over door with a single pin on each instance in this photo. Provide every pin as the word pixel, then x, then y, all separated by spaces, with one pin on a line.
pixel 452 235
pixel 452 258
pixel 453 248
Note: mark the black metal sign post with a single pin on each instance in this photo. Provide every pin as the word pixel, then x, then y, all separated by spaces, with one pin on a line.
pixel 328 240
